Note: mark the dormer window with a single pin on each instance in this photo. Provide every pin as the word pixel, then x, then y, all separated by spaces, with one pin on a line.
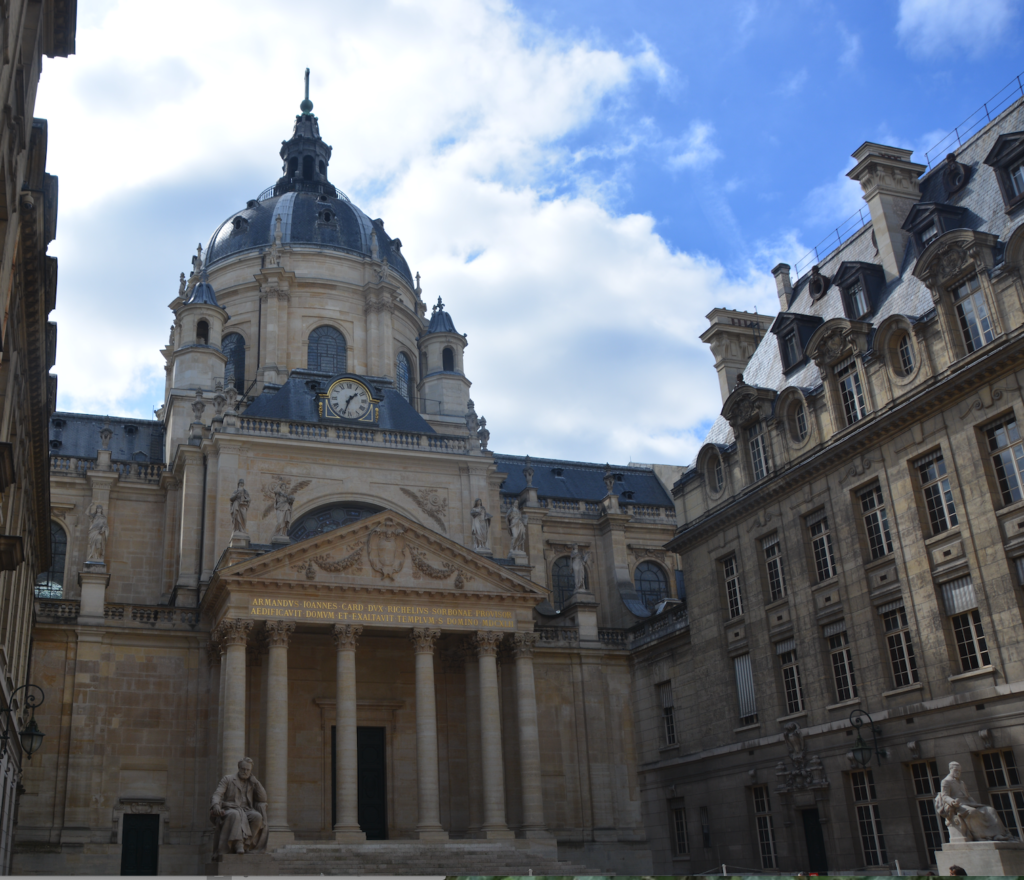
pixel 975 323
pixel 791 347
pixel 929 234
pixel 863 285
pixel 1017 179
pixel 793 331
pixel 858 301
pixel 850 390
pixel 758 450
pixel 1007 159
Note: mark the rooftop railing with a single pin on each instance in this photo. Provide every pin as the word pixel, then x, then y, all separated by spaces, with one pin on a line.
pixel 842 233
pixel 354 436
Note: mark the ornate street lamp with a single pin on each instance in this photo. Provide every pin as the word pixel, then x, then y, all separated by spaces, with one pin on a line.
pixel 862 752
pixel 31 736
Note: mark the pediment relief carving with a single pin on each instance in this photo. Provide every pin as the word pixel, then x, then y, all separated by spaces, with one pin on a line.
pixel 836 339
pixel 953 254
pixel 747 404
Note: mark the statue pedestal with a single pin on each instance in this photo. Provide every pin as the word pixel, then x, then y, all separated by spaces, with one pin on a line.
pixel 519 557
pixel 93 582
pixel 581 609
pixel 239 541
pixel 280 539
pixel 985 858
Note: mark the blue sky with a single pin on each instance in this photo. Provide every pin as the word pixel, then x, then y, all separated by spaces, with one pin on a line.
pixel 580 181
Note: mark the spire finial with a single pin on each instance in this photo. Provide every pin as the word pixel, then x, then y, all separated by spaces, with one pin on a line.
pixel 306 106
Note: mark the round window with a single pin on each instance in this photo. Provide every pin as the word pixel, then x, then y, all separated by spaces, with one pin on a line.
pixel 903 360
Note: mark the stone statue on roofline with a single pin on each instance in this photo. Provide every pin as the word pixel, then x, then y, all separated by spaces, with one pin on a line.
pixel 238 809
pixel 98 532
pixel 517 528
pixel 481 525
pixel 240 501
pixel 966 818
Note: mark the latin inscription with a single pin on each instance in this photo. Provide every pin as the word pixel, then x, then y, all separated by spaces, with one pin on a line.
pixel 381 614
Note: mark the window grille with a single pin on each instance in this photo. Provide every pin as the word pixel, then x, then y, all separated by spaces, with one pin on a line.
pixel 758 450
pixel 705 828
pixel 791 683
pixel 563 584
pixel 1007 451
pixel 876 521
pixel 926 787
pixel 682 844
pixel 765 827
pixel 850 390
pixel 842 664
pixel 975 323
pixel 327 351
pixel 773 562
pixel 1004 787
pixel 868 817
pixel 901 648
pixel 668 712
pixel 906 353
pixel 821 544
pixel 50 583
pixel 938 496
pixel 745 689
pixel 733 593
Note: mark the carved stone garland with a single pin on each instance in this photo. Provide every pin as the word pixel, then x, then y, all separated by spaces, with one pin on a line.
pixel 431 503
pixel 419 561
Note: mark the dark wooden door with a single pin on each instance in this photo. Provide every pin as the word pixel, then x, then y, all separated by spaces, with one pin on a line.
pixel 140 845
pixel 372 780
pixel 817 860
pixel 373 789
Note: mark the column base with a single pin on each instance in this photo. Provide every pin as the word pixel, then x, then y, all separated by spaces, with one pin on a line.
pixel 349 835
pixel 431 834
pixel 492 834
pixel 279 837
pixel 533 833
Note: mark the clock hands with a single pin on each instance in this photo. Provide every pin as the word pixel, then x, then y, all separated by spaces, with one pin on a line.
pixel 344 409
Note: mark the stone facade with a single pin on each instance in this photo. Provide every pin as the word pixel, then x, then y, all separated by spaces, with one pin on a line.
pixel 28 281
pixel 851 542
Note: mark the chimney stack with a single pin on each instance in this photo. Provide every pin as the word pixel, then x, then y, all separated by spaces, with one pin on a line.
pixel 734 337
pixel 889 181
pixel 784 286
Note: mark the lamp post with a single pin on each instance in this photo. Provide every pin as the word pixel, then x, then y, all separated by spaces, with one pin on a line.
pixel 861 751
pixel 30 736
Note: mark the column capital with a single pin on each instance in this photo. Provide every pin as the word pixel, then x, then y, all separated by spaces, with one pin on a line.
pixel 278 632
pixel 523 644
pixel 487 643
pixel 423 639
pixel 346 636
pixel 233 632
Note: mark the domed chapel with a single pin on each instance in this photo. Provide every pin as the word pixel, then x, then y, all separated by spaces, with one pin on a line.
pixel 312 558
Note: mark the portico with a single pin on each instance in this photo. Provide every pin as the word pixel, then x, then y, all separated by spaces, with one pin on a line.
pixel 404 629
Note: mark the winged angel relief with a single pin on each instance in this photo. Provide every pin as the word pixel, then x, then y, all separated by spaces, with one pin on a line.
pixel 281 495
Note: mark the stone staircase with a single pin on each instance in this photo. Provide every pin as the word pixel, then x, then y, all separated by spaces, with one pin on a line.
pixel 405 857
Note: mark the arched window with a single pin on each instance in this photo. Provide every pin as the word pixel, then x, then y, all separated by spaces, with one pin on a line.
pixel 327 353
pixel 50 583
pixel 293 165
pixel 327 519
pixel 323 168
pixel 650 584
pixel 203 333
pixel 562 583
pixel 233 345
pixel 307 167
pixel 403 374
pixel 448 360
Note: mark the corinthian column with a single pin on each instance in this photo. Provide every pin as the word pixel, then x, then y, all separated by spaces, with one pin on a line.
pixel 346 808
pixel 529 739
pixel 276 774
pixel 490 738
pixel 233 635
pixel 429 823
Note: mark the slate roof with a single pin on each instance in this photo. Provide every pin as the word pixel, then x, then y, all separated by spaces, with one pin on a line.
pixel 906 295
pixel 78 435
pixel 580 481
pixel 440 320
pixel 203 292
pixel 295 401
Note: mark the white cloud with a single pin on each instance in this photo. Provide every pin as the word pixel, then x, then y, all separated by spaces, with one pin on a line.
pixel 936 27
pixel 793 85
pixel 851 47
pixel 446 119
pixel 694 149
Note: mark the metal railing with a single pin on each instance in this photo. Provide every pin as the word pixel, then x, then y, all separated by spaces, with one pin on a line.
pixel 311 186
pixel 1000 101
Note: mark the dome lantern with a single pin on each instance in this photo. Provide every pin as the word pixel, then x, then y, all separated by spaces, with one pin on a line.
pixel 305 155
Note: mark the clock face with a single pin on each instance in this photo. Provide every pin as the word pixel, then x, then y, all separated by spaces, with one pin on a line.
pixel 349 400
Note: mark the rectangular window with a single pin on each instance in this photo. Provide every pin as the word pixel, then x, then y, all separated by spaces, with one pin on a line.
pixel 970 640
pixel 792 348
pixel 733 593
pixel 1004 786
pixel 848 377
pixel 858 301
pixel 801 421
pixel 1007 451
pixel 679 839
pixel 791 676
pixel 938 496
pixel 901 648
pixel 1019 563
pixel 868 817
pixel 773 562
pixel 765 827
pixel 975 323
pixel 1017 180
pixel 745 689
pixel 758 450
pixel 926 787
pixel 930 234
pixel 719 475
pixel 668 712
pixel 821 544
pixel 705 828
pixel 842 664
pixel 876 521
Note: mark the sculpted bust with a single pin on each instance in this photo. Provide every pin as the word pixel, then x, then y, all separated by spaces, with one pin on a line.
pixel 239 810
pixel 974 820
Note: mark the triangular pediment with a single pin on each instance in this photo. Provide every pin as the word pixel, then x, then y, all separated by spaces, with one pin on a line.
pixel 385 553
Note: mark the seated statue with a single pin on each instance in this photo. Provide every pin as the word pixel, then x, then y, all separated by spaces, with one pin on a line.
pixel 239 810
pixel 973 820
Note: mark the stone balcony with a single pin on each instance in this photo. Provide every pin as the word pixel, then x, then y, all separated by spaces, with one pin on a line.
pixel 65 611
pixel 354 436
